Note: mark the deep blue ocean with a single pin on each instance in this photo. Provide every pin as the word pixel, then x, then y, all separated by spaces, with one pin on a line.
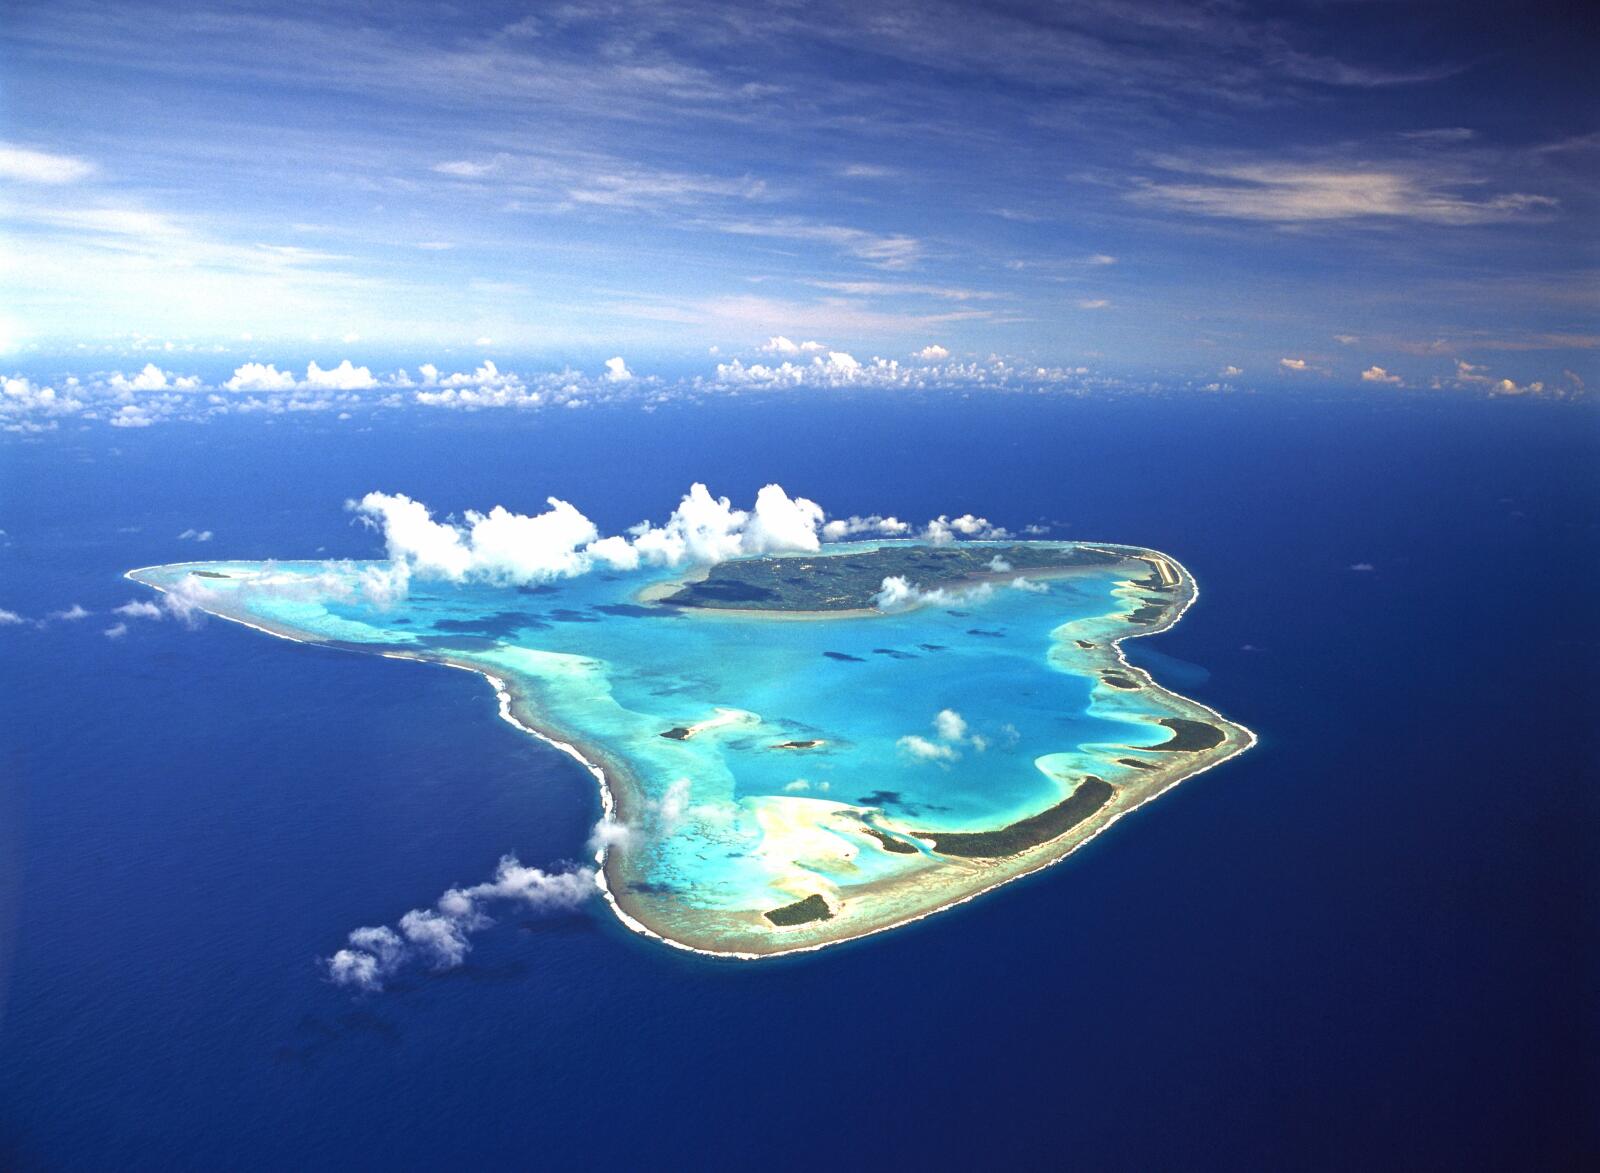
pixel 1368 943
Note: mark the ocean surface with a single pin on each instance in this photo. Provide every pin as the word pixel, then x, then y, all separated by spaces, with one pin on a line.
pixel 1367 942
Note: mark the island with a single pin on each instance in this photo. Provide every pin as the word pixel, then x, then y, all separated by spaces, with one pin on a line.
pixel 795 750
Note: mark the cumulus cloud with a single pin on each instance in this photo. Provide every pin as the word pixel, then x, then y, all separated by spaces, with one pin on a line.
pixel 781 345
pixel 115 631
pixel 950 725
pixel 1377 374
pixel 928 751
pixel 1294 364
pixel 943 530
pixel 139 609
pixel 933 353
pixel 507 547
pixel 1230 372
pixel 187 600
pixel 196 535
pixel 437 937
pixel 72 614
pixel 10 618
pixel 617 371
pixel 153 378
pixel 900 594
pixel 254 376
pixel 845 527
pixel 951 728
pixel 344 377
pixel 610 834
pixel 805 785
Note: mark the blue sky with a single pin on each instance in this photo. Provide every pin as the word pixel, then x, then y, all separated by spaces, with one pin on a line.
pixel 1208 194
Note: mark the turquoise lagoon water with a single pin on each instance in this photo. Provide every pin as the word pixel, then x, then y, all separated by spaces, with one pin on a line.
pixel 726 822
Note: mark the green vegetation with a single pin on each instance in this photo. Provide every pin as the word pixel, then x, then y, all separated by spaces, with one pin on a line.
pixel 1190 737
pixel 1092 794
pixel 890 843
pixel 848 582
pixel 800 912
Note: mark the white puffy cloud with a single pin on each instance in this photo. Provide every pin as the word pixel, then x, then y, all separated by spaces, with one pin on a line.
pixel 513 547
pixel 1376 374
pixel 115 631
pixel 344 377
pixel 139 609
pixel 933 353
pixel 10 618
pixel 1231 372
pixel 197 535
pixel 502 546
pixel 779 522
pixel 900 594
pixel 254 376
pixel 844 527
pixel 1294 364
pixel 617 371
pixel 187 601
pixel 950 725
pixel 1033 586
pixel 23 397
pixel 411 535
pixel 72 614
pixel 928 751
pixel 708 529
pixel 781 345
pixel 610 834
pixel 131 416
pixel 437 936
pixel 943 530
pixel 153 378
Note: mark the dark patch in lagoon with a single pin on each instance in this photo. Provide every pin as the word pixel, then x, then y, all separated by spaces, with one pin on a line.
pixel 933 647
pixel 986 634
pixel 566 615
pixel 539 589
pixel 499 624
pixel 844 656
pixel 893 653
pixel 880 798
pixel 454 643
pixel 653 888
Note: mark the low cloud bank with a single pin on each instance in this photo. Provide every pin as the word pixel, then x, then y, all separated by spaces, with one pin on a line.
pixel 437 937
pixel 900 594
pixel 506 547
pixel 501 546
